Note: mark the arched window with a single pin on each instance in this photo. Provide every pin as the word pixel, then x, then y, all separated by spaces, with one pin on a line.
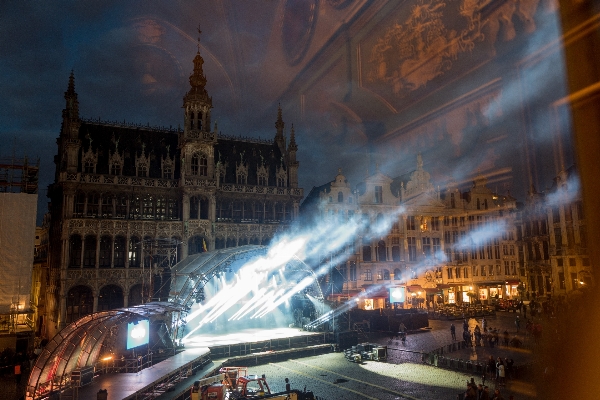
pixel 88 167
pixel 75 251
pixel 386 275
pixel 194 207
pixel 172 208
pixel 366 249
pixel 192 120
pixel 115 169
pixel 231 242
pixel 203 208
pixel 121 206
pixel 135 252
pixel 142 170
pixel 92 204
pixel 105 251
pixel 89 251
pixel 161 208
pixel 148 207
pixel 203 165
pixel 340 197
pixel 199 165
pixel 79 205
pixel 110 297
pixel 119 250
pixel 196 245
pixel 219 243
pixel 80 302
pixel 107 206
pixel 396 253
pixel 135 295
pixel 381 251
pixel 397 274
pixel 194 165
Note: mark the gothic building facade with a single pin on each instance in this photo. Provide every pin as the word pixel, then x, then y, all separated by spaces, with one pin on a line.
pixel 129 201
pixel 447 246
pixel 553 239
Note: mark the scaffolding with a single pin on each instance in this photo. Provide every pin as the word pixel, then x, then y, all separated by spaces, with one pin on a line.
pixel 19 175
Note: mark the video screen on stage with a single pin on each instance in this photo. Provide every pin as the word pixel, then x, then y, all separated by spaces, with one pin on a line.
pixel 138 333
pixel 397 295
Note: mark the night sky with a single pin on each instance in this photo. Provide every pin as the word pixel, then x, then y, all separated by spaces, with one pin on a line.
pixel 132 62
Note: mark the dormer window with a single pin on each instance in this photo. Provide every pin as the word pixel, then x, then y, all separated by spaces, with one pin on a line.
pixel 115 169
pixel 88 167
pixel 340 197
pixel 142 170
pixel 241 178
pixel 167 172
pixel 378 194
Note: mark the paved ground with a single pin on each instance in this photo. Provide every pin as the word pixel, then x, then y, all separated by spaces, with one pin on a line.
pixel 403 376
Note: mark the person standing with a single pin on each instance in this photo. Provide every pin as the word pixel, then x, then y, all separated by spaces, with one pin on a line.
pixel 453 331
pixel 501 372
pixel 287 385
pixel 518 323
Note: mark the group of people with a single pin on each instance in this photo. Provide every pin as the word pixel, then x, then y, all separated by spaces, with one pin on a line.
pixel 486 335
pixel 482 392
pixel 499 369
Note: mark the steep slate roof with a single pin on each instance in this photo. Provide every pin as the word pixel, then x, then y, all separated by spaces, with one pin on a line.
pixel 106 137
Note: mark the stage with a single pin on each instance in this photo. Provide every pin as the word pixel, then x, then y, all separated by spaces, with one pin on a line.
pixel 202 356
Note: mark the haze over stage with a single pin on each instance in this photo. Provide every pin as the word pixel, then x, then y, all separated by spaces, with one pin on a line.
pixel 243 336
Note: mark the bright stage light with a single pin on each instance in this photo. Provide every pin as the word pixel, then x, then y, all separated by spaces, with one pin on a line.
pixel 138 333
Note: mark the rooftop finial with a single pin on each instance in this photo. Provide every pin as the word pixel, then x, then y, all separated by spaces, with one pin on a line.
pixel 199 33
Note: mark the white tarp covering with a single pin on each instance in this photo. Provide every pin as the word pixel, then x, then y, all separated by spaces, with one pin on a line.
pixel 17 242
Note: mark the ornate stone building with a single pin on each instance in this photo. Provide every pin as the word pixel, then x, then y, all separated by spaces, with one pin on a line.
pixel 129 201
pixel 446 246
pixel 553 238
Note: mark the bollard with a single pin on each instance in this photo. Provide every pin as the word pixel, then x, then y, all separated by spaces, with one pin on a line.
pixel 469 366
pixel 460 364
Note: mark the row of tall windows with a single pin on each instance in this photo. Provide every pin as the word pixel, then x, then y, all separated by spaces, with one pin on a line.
pixel 147 206
pixel 253 211
pixel 108 252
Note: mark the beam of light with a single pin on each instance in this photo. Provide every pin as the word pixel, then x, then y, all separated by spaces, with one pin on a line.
pixel 303 284
pixel 242 311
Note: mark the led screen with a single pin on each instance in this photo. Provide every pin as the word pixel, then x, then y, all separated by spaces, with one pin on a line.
pixel 397 295
pixel 137 333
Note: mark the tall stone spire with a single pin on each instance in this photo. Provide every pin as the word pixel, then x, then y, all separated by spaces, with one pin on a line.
pixel 71 110
pixel 292 146
pixel 196 102
pixel 69 142
pixel 198 79
pixel 279 125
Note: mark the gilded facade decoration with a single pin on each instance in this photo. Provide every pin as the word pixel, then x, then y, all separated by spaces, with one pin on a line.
pixel 415 50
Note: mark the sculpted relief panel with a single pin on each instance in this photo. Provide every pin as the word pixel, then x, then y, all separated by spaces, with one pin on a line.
pixel 439 38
